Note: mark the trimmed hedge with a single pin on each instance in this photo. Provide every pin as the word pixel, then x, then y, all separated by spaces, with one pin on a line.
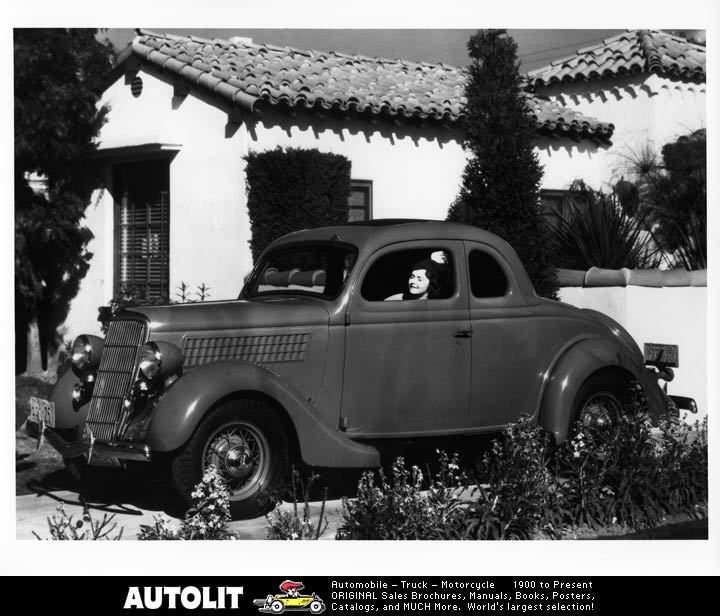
pixel 294 189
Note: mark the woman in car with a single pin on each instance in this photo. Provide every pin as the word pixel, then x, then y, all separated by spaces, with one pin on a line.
pixel 423 283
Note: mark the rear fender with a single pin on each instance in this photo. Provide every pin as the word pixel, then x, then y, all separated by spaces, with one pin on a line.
pixel 182 407
pixel 574 367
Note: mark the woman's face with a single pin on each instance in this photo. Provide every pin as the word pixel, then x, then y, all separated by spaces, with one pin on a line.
pixel 418 282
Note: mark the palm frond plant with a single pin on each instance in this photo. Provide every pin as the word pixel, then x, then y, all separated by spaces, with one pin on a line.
pixel 595 231
pixel 671 189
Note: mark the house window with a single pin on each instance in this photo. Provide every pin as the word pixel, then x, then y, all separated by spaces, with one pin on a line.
pixel 142 198
pixel 360 203
pixel 552 205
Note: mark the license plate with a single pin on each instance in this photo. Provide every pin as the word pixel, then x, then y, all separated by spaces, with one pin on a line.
pixel 666 354
pixel 42 412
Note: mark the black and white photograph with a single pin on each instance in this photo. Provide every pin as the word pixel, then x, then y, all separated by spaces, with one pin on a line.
pixel 323 276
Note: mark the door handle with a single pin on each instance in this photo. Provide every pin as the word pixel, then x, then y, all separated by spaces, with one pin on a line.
pixel 463 333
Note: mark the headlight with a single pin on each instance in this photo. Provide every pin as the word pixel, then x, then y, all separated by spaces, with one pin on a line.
pixel 150 360
pixel 86 354
pixel 160 359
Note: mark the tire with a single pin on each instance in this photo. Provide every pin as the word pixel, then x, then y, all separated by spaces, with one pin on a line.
pixel 601 401
pixel 316 607
pixel 245 440
pixel 277 607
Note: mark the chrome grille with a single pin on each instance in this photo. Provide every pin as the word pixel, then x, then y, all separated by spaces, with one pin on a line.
pixel 259 349
pixel 116 374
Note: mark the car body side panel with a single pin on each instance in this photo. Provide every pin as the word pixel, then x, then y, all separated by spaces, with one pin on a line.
pixel 185 403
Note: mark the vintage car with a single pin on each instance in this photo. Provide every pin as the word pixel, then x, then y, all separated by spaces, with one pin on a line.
pixel 290 599
pixel 311 363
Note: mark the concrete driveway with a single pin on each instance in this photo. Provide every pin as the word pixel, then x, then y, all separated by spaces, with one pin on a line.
pixel 33 511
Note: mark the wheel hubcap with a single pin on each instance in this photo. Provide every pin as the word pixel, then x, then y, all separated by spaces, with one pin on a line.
pixel 240 452
pixel 601 411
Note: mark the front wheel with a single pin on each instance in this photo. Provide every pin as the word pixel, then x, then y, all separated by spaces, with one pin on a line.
pixel 246 442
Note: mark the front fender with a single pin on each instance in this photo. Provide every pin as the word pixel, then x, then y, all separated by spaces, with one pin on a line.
pixel 574 367
pixel 181 408
pixel 66 417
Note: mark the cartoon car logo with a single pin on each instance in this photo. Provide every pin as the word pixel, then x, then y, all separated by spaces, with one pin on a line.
pixel 290 599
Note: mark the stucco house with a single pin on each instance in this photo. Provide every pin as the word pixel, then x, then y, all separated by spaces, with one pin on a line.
pixel 649 84
pixel 184 111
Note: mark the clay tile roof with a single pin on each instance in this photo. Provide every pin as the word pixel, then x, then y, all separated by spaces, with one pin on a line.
pixel 251 75
pixel 634 51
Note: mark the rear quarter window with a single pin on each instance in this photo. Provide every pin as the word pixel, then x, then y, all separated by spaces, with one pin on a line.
pixel 487 277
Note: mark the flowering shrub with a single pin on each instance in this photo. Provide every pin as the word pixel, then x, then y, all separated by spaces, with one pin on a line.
pixel 64 528
pixel 683 463
pixel 206 519
pixel 512 497
pixel 631 474
pixel 289 525
pixel 400 508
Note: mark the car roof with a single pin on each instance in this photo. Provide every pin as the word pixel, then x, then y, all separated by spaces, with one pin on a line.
pixel 372 234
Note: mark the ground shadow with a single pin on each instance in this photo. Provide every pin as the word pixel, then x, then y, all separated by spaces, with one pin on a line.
pixel 112 491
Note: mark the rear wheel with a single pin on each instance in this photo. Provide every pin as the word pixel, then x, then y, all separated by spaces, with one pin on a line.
pixel 246 442
pixel 601 401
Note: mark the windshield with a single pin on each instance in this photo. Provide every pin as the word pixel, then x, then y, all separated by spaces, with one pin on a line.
pixel 316 269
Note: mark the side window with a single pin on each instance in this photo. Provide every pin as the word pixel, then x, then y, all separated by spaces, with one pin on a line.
pixel 487 278
pixel 421 273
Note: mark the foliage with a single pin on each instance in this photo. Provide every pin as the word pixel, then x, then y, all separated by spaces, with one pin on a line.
pixel 404 507
pixel 58 79
pixel 290 525
pixel 206 519
pixel 500 189
pixel 632 475
pixel 64 528
pixel 595 230
pixel 294 189
pixel 671 188
pixel 513 486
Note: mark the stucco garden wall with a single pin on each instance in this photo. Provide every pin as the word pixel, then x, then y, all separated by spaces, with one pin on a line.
pixel 668 315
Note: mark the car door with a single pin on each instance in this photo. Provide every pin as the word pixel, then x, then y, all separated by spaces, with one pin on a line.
pixel 407 362
pixel 506 341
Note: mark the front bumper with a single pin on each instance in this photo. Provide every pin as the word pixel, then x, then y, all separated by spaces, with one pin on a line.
pixel 120 450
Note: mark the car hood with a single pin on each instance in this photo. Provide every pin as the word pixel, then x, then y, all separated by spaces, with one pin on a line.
pixel 258 313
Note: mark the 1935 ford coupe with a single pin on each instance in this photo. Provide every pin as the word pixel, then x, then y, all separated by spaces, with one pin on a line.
pixel 312 363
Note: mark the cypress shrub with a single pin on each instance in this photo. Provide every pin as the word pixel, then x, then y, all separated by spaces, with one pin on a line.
pixel 294 189
pixel 501 181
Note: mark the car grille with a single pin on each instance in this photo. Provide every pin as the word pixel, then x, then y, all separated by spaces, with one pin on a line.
pixel 116 374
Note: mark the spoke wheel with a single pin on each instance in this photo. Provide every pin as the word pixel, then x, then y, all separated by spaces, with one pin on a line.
pixel 246 442
pixel 241 453
pixel 601 401
pixel 601 411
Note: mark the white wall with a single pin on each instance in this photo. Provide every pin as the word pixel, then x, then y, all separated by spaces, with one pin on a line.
pixel 667 315
pixel 644 109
